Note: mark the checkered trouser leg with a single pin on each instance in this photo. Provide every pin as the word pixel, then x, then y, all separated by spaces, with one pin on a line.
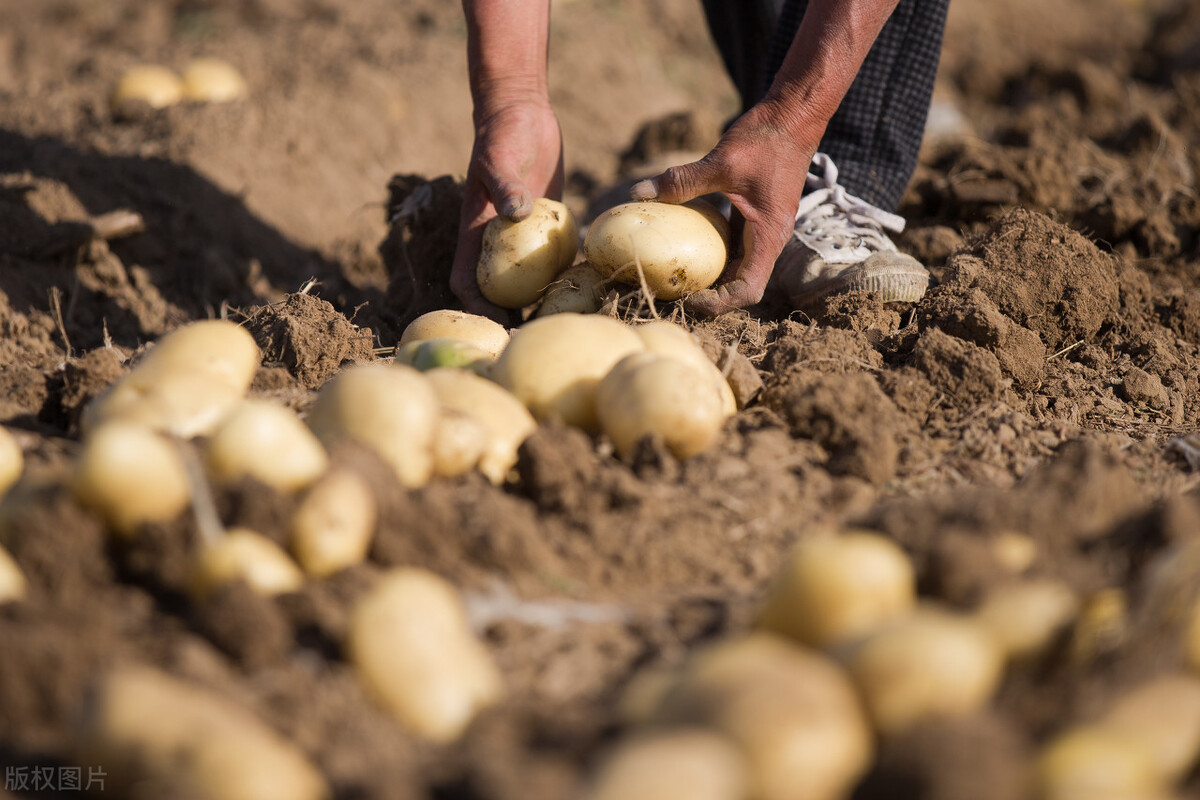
pixel 875 136
pixel 742 30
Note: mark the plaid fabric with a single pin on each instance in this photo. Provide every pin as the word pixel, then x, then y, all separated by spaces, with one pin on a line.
pixel 875 136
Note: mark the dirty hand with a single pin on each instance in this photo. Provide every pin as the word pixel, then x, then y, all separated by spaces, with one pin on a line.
pixel 517 158
pixel 760 164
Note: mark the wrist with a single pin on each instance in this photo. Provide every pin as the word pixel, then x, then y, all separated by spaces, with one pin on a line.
pixel 493 97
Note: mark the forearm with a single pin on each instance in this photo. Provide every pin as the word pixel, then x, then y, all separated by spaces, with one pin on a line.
pixel 507 43
pixel 826 55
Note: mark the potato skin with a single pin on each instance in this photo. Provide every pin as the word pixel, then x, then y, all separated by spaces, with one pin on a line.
pixel 518 260
pixel 681 248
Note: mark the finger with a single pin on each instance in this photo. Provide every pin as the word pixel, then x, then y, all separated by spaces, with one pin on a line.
pixel 680 184
pixel 511 198
pixel 750 273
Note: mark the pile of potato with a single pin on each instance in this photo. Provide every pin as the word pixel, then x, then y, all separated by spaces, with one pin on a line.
pixel 203 80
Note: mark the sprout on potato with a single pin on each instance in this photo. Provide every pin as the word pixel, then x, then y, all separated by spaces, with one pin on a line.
pixel 332 527
pixel 506 421
pixel 267 442
pixel 577 290
pixel 486 334
pixel 130 476
pixel 680 248
pixel 554 364
pixel 518 260
pixel 835 588
pixel 244 555
pixel 211 80
pixel 413 648
pixel 11 461
pixel 12 580
pixel 157 87
pixel 691 763
pixel 669 339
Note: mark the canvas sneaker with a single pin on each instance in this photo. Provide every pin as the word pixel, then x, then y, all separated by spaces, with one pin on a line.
pixel 839 244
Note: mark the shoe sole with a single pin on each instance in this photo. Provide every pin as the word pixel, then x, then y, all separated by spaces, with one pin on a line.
pixel 894 283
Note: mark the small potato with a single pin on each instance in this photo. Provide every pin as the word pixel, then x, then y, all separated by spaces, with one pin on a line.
pixel 460 443
pixel 11 461
pixel 333 526
pixel 793 712
pixel 690 763
pixel 244 555
pixel 267 442
pixel 554 364
pixel 155 732
pixel 130 476
pixel 486 334
pixel 1164 715
pixel 520 259
pixel 428 354
pixel 507 422
pixel 389 409
pixel 157 87
pixel 835 588
pixel 1097 763
pixel 1024 618
pixel 413 648
pixel 211 80
pixel 929 664
pixel 12 580
pixel 669 339
pixel 577 290
pixel 680 248
pixel 647 394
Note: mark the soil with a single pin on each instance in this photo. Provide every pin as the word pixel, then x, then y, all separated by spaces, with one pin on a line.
pixel 1027 404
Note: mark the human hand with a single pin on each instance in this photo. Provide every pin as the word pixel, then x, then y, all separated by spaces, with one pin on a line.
pixel 760 164
pixel 517 158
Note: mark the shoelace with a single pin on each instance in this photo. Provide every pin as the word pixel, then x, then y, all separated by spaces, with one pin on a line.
pixel 828 214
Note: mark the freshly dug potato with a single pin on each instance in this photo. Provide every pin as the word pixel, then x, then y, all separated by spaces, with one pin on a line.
pixel 267 442
pixel 130 475
pixel 554 364
pixel 1164 715
pixel 669 339
pixel 835 588
pixel 929 664
pixel 333 526
pixel 12 580
pixel 520 259
pixel 176 739
pixel 507 421
pixel 648 394
pixel 690 763
pixel 157 87
pixel 577 290
pixel 1097 763
pixel 242 554
pixel 793 712
pixel 426 354
pixel 461 441
pixel 486 334
pixel 1024 618
pixel 414 650
pixel 186 383
pixel 681 249
pixel 211 80
pixel 11 461
pixel 389 409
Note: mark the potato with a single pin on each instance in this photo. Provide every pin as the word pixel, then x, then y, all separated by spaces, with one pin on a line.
pixel 332 527
pixel 792 711
pixel 486 334
pixel 186 383
pixel 681 249
pixel 1163 714
pixel 413 648
pixel 170 738
pixel 520 259
pixel 267 442
pixel 1097 763
pixel 929 664
pixel 669 339
pixel 690 763
pixel 507 421
pixel 835 588
pixel 460 443
pixel 157 87
pixel 554 364
pixel 211 80
pixel 428 354
pixel 11 461
pixel 244 555
pixel 578 290
pixel 648 394
pixel 390 410
pixel 130 476
pixel 1024 618
pixel 12 580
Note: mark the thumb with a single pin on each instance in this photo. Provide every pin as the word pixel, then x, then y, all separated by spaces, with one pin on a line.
pixel 680 184
pixel 511 197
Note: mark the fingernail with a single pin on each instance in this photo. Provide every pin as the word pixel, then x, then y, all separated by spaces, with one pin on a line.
pixel 510 208
pixel 644 190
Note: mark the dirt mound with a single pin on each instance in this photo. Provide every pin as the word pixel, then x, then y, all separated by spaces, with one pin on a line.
pixel 308 336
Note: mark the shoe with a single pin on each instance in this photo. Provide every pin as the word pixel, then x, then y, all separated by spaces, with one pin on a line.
pixel 839 245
